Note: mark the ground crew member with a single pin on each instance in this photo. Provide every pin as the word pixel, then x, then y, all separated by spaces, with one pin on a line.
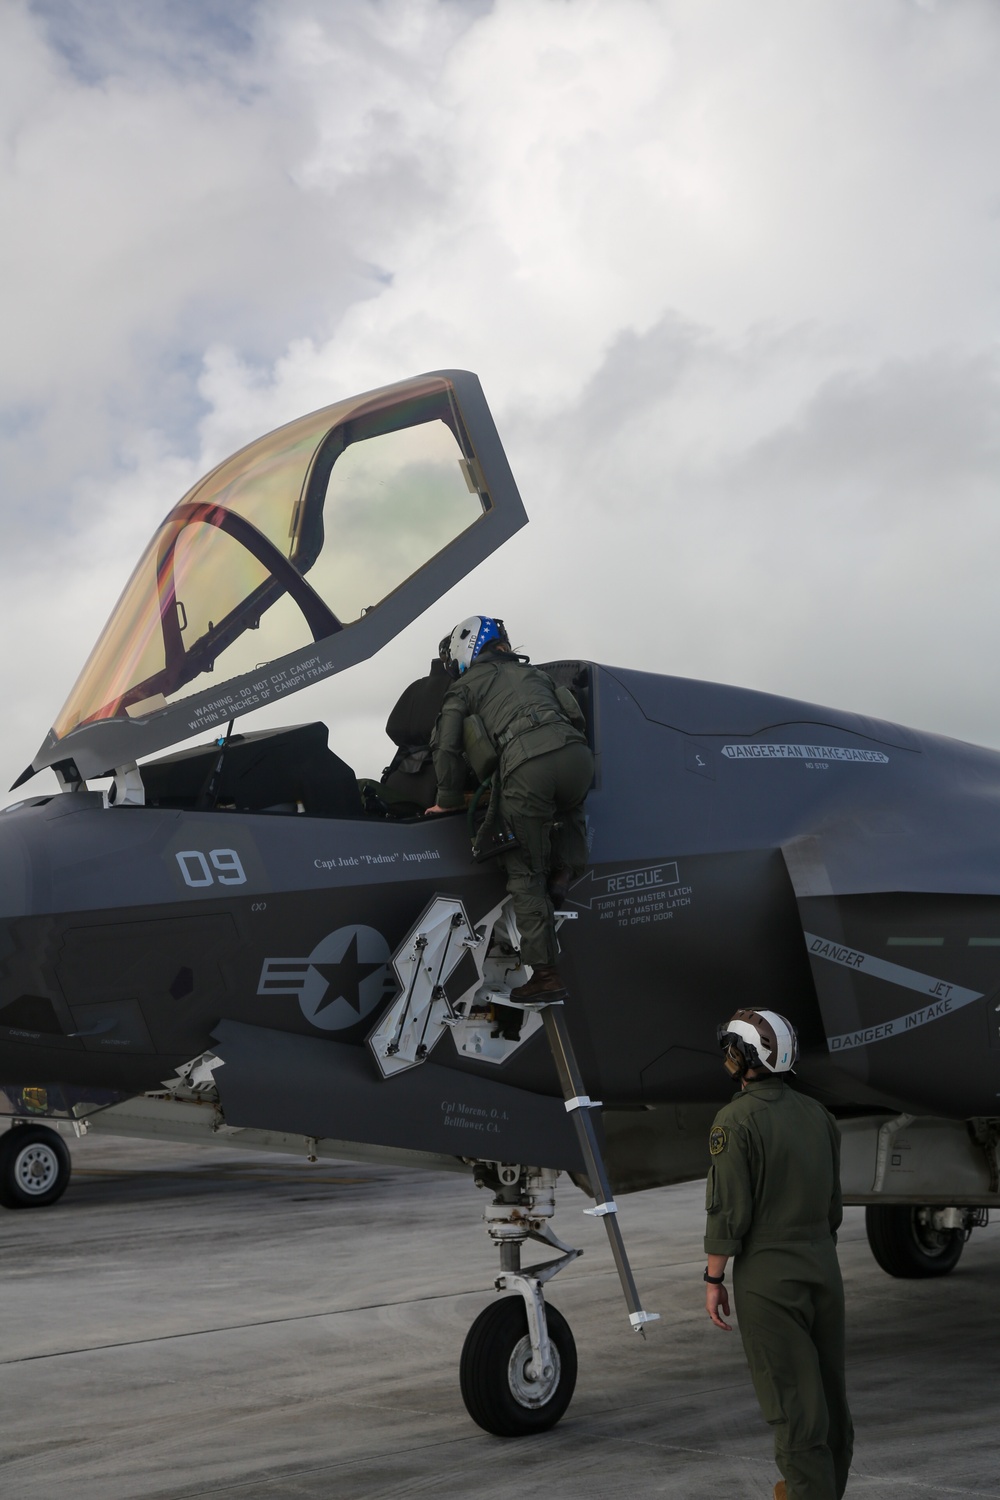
pixel 773 1201
pixel 544 767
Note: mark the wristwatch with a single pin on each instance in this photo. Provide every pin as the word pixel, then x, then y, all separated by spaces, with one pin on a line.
pixel 714 1280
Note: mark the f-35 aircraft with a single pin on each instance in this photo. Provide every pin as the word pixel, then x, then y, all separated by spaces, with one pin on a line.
pixel 232 940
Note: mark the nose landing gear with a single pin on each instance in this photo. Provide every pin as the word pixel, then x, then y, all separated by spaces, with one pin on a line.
pixel 518 1368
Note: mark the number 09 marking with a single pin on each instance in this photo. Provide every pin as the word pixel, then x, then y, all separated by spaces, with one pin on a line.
pixel 226 867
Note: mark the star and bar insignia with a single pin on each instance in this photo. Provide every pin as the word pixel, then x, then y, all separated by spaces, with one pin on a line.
pixel 717 1140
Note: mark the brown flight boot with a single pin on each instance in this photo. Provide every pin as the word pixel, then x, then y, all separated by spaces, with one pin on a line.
pixel 544 984
pixel 780 1492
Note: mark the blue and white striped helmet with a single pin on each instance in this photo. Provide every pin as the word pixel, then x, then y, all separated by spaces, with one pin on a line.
pixel 468 639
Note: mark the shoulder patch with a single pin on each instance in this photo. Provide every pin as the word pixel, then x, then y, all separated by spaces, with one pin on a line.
pixel 717 1140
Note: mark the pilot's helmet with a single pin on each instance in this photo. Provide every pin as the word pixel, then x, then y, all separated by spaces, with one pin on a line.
pixel 459 650
pixel 758 1039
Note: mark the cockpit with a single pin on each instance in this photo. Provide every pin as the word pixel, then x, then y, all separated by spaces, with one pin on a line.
pixel 294 770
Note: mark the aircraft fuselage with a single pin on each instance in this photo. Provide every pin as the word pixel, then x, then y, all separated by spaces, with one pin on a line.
pixel 746 850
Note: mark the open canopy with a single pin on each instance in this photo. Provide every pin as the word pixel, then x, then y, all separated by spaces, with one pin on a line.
pixel 300 555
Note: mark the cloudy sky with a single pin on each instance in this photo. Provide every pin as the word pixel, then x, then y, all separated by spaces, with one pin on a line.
pixel 729 274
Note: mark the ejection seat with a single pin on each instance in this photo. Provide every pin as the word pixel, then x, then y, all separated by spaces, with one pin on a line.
pixel 267 770
pixel 408 784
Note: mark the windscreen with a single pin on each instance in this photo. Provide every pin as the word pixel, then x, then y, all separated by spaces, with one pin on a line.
pixel 290 541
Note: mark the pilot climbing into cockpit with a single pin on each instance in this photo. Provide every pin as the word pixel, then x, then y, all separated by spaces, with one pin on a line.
pixel 503 712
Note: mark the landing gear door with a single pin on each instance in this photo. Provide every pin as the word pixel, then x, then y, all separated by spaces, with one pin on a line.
pixel 299 556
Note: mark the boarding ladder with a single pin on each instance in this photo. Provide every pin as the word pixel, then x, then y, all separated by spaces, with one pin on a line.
pixel 423 1012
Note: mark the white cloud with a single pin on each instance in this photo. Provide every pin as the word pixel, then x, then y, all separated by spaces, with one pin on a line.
pixel 727 274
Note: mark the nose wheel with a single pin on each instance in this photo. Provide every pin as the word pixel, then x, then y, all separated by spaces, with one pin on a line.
pixel 501 1387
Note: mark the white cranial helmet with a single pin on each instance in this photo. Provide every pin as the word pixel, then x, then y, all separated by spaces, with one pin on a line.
pixel 759 1039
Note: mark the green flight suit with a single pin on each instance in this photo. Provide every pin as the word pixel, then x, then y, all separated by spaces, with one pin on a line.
pixel 774 1204
pixel 545 771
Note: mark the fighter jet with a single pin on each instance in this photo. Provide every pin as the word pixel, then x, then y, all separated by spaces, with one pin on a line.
pixel 233 941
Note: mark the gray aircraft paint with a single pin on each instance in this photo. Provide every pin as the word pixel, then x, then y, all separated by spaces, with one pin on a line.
pixel 159 923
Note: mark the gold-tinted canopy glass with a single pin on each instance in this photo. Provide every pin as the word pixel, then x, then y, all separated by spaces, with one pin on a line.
pixel 290 541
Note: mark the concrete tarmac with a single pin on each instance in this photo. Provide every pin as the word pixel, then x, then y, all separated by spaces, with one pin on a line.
pixel 190 1321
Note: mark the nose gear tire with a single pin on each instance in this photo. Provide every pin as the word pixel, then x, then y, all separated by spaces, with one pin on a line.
pixel 495 1374
pixel 904 1246
pixel 34 1167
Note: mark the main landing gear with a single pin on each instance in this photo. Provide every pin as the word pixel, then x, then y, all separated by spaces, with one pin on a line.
pixel 914 1242
pixel 34 1167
